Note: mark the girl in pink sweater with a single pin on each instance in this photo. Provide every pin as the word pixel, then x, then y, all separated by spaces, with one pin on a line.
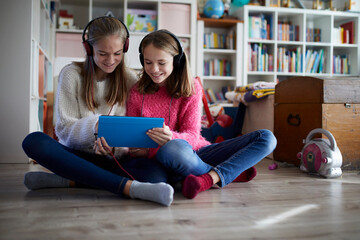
pixel 166 89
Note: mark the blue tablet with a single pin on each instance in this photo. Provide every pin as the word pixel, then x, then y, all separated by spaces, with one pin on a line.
pixel 120 131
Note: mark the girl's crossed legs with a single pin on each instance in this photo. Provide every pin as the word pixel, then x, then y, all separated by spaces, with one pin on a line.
pixel 219 163
pixel 99 171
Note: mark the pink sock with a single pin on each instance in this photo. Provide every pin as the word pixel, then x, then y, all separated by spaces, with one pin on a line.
pixel 195 184
pixel 246 175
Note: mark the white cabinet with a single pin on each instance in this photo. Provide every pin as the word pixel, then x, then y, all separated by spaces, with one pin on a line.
pixel 178 16
pixel 26 73
pixel 219 53
pixel 291 37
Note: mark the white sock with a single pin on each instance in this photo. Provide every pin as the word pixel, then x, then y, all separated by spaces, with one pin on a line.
pixel 39 180
pixel 156 192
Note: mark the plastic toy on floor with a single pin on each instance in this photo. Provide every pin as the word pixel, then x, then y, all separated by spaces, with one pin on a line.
pixel 321 156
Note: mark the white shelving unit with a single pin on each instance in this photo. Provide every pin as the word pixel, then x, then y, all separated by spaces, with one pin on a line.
pixel 26 73
pixel 85 10
pixel 326 21
pixel 233 55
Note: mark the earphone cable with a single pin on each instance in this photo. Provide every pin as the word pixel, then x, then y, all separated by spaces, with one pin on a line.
pixel 112 155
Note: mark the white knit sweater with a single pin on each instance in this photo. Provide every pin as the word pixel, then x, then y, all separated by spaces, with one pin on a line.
pixel 75 123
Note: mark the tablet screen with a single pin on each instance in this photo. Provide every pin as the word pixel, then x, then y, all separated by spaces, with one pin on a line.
pixel 120 131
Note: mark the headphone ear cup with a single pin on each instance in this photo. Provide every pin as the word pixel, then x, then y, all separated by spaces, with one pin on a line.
pixel 176 61
pixel 87 48
pixel 141 57
pixel 126 45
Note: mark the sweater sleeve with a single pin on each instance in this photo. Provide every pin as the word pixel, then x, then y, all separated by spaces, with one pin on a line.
pixel 188 121
pixel 75 125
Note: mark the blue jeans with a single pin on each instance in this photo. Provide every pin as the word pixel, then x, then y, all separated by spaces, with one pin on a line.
pixel 90 169
pixel 228 158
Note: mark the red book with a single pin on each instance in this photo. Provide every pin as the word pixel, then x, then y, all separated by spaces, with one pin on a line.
pixel 349 26
pixel 41 74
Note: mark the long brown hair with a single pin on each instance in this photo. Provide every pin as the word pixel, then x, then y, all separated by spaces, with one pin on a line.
pixel 117 88
pixel 180 82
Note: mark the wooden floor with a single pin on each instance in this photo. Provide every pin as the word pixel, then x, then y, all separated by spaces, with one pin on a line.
pixel 279 204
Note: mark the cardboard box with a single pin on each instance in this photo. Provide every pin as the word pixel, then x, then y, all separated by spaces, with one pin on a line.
pixel 69 45
pixel 175 18
pixel 141 20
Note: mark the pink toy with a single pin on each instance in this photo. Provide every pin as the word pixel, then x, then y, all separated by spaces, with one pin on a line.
pixel 273 166
pixel 224 120
pixel 321 156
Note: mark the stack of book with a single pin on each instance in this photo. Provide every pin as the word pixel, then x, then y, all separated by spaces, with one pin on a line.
pixel 216 97
pixel 289 60
pixel 315 61
pixel 341 64
pixel 313 34
pixel 288 31
pixel 260 27
pixel 344 33
pixel 259 59
pixel 217 67
pixel 217 40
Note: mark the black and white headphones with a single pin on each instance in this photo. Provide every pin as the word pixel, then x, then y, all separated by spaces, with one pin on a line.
pixel 87 45
pixel 178 59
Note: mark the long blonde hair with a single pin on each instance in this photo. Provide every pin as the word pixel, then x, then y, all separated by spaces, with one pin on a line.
pixel 117 88
pixel 180 82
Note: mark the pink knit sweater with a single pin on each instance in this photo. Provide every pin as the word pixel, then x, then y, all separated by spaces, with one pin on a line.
pixel 183 116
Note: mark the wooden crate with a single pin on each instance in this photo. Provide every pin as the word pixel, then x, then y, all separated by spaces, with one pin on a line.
pixel 305 103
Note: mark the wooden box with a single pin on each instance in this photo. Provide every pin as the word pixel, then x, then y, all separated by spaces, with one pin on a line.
pixel 305 103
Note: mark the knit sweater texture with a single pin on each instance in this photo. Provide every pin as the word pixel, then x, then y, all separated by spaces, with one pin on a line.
pixel 182 115
pixel 75 123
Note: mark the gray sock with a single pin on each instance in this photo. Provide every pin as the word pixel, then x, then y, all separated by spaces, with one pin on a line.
pixel 39 180
pixel 156 192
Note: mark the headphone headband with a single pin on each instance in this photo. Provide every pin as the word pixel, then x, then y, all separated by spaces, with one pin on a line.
pixel 177 58
pixel 87 45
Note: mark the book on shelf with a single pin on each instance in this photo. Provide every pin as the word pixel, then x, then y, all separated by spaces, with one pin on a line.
pixel 217 67
pixel 310 62
pixel 348 32
pixel 287 31
pixel 259 59
pixel 315 61
pixel 260 26
pixel 322 66
pixel 219 41
pixel 341 64
pixel 213 97
pixel 41 114
pixel 41 79
pixel 315 67
pixel 289 60
pixel 313 34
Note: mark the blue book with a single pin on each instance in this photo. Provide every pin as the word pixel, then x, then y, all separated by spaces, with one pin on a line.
pixel 316 63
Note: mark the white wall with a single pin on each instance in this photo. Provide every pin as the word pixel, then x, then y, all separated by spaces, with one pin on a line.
pixel 15 49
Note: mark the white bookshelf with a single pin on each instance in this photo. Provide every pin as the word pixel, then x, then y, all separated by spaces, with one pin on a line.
pixel 85 10
pixel 325 20
pixel 28 52
pixel 233 55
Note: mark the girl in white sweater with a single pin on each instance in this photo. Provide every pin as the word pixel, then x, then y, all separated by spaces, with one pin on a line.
pixel 86 90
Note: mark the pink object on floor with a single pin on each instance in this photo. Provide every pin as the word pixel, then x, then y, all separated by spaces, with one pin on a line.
pixel 273 166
